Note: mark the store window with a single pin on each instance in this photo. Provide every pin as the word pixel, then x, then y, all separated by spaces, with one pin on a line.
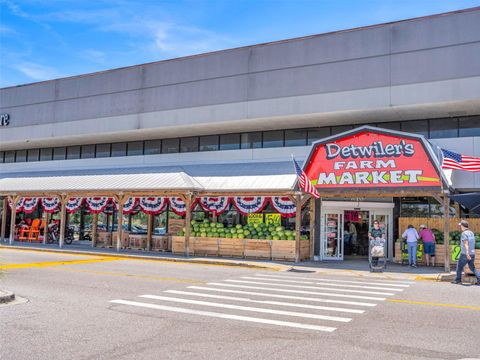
pixel 33 155
pixel 152 147
pixel 444 128
pixel 295 137
pixel 189 144
pixel 135 148
pixel 272 139
pixel 469 126
pixel 73 152
pixel 102 150
pixel 119 149
pixel 21 156
pixel 46 154
pixel 230 142
pixel 59 153
pixel 2 155
pixel 170 146
pixel 419 127
pixel 414 207
pixel 9 156
pixel 395 125
pixel 251 140
pixel 88 151
pixel 340 129
pixel 317 134
pixel 209 143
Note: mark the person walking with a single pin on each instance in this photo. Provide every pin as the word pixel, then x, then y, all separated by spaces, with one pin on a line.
pixel 428 238
pixel 352 229
pixel 375 233
pixel 467 253
pixel 412 243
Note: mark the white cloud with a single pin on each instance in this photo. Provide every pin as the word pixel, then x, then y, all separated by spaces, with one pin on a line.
pixel 36 71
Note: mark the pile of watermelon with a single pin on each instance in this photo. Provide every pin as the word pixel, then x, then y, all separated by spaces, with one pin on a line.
pixel 250 231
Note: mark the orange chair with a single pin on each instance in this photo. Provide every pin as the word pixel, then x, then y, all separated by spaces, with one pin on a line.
pixel 23 233
pixel 34 232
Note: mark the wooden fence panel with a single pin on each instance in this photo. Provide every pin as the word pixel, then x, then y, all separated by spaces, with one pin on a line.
pixel 436 223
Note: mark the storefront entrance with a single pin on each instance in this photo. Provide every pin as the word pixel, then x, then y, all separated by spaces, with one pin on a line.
pixel 344 228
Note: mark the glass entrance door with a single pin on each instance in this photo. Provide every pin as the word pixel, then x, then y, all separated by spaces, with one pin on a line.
pixel 384 218
pixel 332 235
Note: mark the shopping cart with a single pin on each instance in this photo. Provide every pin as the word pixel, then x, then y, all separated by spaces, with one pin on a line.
pixel 377 259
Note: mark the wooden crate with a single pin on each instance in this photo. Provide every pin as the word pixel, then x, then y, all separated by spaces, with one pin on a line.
pixel 305 249
pixel 204 246
pixel 160 243
pixel 104 239
pixel 137 241
pixel 231 247
pixel 178 244
pixel 258 249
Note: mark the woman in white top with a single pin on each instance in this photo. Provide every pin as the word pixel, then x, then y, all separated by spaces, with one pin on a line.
pixel 412 241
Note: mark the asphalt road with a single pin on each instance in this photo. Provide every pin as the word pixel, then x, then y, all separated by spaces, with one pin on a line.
pixel 85 307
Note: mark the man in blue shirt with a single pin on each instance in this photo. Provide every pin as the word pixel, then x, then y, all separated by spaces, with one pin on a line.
pixel 467 253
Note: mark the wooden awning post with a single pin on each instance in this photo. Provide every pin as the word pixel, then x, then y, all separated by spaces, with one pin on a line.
pixel 312 227
pixel 14 200
pixel 45 230
pixel 150 226
pixel 4 219
pixel 121 199
pixel 188 219
pixel 446 232
pixel 63 218
pixel 94 229
pixel 298 223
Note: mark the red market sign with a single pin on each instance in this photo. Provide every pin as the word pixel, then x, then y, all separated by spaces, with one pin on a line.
pixel 369 159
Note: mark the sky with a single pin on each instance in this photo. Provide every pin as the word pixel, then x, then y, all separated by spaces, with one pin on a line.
pixel 47 39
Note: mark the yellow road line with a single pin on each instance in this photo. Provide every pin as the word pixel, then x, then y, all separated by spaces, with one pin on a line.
pixel 55 263
pixel 427 303
pixel 149 277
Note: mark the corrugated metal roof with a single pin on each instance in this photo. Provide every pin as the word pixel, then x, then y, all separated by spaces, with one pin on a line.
pixel 247 183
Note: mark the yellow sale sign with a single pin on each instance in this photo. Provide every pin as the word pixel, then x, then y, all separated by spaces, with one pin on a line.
pixel 255 218
pixel 273 219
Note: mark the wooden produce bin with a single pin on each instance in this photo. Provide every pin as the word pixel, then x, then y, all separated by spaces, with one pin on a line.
pixel 104 239
pixel 231 248
pixel 178 244
pixel 258 249
pixel 123 240
pixel 137 241
pixel 204 246
pixel 161 243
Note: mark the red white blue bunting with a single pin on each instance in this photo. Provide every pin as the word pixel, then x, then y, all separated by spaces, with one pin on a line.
pixel 29 205
pixel 216 205
pixel 177 205
pixel 250 204
pixel 152 205
pixel 19 204
pixel 283 205
pixel 97 205
pixel 50 205
pixel 129 205
pixel 73 204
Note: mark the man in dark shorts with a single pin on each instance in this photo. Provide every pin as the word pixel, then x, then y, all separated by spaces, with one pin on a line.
pixel 467 253
pixel 428 239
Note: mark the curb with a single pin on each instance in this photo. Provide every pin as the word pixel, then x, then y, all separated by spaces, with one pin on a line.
pixel 6 296
pixel 272 267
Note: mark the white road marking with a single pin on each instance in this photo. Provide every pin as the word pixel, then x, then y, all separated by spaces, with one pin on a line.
pixel 301 292
pixel 248 308
pixel 234 298
pixel 376 282
pixel 312 287
pixel 321 283
pixel 225 316
pixel 278 296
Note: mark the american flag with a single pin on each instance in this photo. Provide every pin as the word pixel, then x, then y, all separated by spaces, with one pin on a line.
pixel 456 161
pixel 304 181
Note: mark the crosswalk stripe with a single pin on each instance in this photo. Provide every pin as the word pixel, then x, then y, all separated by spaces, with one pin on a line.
pixel 225 316
pixel 312 287
pixel 301 292
pixel 266 302
pixel 278 296
pixel 248 308
pixel 322 283
pixel 377 282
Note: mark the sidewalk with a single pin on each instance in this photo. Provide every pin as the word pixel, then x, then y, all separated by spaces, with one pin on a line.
pixel 358 268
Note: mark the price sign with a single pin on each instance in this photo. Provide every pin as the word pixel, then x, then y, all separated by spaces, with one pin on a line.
pixel 273 219
pixel 455 251
pixel 419 251
pixel 255 218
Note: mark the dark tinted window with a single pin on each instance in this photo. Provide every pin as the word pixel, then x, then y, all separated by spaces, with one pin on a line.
pixel 209 143
pixel 340 129
pixel 153 147
pixel 33 155
pixel 135 148
pixel 88 151
pixel 295 137
pixel 443 128
pixel 170 146
pixel 73 152
pixel 21 156
pixel 395 125
pixel 317 134
pixel 419 127
pixel 1 156
pixel 59 153
pixel 251 140
pixel 119 149
pixel 272 138
pixel 470 126
pixel 102 150
pixel 9 156
pixel 229 141
pixel 189 144
pixel 46 154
